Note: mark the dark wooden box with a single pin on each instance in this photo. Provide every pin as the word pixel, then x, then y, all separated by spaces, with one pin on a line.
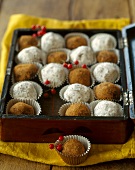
pixel 48 126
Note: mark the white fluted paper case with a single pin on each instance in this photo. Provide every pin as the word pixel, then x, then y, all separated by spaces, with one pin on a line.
pixel 74 160
pixel 65 106
pixel 33 103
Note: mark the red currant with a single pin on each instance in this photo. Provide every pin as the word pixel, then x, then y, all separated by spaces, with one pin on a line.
pixel 43 28
pixel 51 146
pixel 53 91
pixel 59 147
pixel 46 95
pixel 76 62
pixel 33 27
pixel 34 35
pixel 40 33
pixel 47 82
pixel 84 66
pixel 65 65
pixel 69 66
pixel 61 138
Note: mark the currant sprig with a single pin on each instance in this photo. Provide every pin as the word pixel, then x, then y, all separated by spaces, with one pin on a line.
pixel 53 92
pixel 59 146
pixel 41 30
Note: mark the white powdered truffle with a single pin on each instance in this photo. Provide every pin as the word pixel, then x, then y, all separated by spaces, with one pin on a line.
pixel 24 89
pixel 102 41
pixel 106 72
pixel 84 55
pixel 77 93
pixel 55 73
pixel 108 108
pixel 52 40
pixel 30 54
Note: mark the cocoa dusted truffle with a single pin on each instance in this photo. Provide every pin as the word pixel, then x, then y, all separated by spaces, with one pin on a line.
pixel 28 70
pixel 80 75
pixel 78 109
pixel 21 108
pixel 75 41
pixel 73 147
pixel 107 91
pixel 107 56
pixel 57 57
pixel 27 41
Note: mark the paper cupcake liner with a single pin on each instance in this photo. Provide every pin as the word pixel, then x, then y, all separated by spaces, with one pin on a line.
pixel 67 51
pixel 65 106
pixel 63 89
pixel 74 160
pixel 51 85
pixel 37 64
pixel 78 34
pixel 105 34
pixel 31 102
pixel 114 100
pixel 94 103
pixel 116 51
pixel 91 76
pixel 38 88
pixel 95 65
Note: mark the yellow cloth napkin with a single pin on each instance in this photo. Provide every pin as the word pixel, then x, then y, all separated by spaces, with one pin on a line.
pixel 39 151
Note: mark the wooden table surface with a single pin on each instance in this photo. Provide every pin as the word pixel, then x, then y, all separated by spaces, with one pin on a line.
pixel 65 10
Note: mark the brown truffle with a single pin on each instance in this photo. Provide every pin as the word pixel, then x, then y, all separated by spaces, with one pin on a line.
pixel 73 147
pixel 27 41
pixel 107 56
pixel 24 72
pixel 57 57
pixel 75 41
pixel 108 91
pixel 80 75
pixel 21 108
pixel 77 109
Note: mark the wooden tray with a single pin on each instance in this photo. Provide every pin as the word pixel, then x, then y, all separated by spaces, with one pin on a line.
pixel 48 126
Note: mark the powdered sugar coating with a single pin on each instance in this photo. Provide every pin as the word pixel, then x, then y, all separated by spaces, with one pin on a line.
pixel 30 54
pixel 77 93
pixel 52 40
pixel 106 72
pixel 102 41
pixel 108 108
pixel 84 55
pixel 55 73
pixel 24 89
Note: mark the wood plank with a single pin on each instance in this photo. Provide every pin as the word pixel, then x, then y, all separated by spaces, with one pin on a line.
pixel 43 8
pixel 132 10
pixel 12 163
pixel 96 9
